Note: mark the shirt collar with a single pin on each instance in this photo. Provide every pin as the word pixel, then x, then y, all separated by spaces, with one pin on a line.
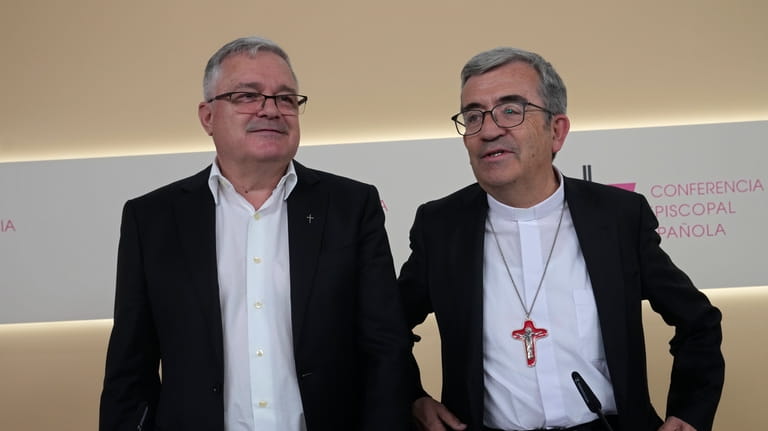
pixel 216 180
pixel 542 209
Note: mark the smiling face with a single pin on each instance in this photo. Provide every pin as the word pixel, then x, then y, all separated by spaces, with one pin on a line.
pixel 266 136
pixel 513 165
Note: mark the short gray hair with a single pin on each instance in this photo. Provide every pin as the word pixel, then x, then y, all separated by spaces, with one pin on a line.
pixel 244 45
pixel 551 86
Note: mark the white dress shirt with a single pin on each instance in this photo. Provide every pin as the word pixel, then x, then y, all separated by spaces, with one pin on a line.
pixel 261 390
pixel 518 396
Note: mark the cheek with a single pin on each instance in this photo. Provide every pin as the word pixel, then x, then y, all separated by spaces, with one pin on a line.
pixel 223 124
pixel 293 123
pixel 537 146
pixel 470 145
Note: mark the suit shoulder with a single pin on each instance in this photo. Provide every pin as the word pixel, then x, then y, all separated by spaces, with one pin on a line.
pixel 459 198
pixel 165 192
pixel 601 191
pixel 334 181
pixel 609 200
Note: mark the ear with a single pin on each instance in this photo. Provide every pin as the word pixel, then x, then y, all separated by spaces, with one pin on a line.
pixel 560 126
pixel 205 113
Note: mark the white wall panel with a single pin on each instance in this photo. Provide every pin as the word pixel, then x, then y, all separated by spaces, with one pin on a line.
pixel 59 220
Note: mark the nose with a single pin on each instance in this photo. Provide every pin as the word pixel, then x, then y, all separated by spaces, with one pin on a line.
pixel 489 130
pixel 269 108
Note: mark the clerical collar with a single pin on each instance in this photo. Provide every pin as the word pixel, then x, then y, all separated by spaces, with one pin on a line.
pixel 545 208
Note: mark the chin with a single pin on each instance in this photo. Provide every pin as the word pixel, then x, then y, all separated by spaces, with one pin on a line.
pixel 272 158
pixel 272 150
pixel 496 177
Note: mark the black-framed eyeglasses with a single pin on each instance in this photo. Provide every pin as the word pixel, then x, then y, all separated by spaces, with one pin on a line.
pixel 249 102
pixel 506 115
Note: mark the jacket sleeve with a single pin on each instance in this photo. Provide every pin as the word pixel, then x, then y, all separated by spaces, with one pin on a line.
pixel 698 368
pixel 383 335
pixel 414 293
pixel 131 379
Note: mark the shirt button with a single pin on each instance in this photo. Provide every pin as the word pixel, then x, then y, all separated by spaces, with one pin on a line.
pixel 259 352
pixel 257 216
pixel 256 260
pixel 262 404
pixel 257 304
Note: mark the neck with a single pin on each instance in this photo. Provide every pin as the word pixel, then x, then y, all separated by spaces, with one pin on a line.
pixel 525 194
pixel 254 182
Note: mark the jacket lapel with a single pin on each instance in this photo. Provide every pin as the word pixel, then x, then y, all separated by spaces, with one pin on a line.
pixel 597 232
pixel 307 213
pixel 470 289
pixel 196 220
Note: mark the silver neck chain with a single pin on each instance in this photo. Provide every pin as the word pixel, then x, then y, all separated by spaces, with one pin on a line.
pixel 528 310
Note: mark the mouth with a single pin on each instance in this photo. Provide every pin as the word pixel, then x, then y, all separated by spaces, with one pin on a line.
pixel 495 153
pixel 255 128
pixel 266 131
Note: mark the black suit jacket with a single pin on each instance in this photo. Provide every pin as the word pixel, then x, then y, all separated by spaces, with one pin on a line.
pixel 616 232
pixel 350 340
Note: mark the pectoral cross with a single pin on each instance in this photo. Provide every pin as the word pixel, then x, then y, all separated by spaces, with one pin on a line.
pixel 528 335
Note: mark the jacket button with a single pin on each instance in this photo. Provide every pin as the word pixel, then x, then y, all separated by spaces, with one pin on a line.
pixel 215 389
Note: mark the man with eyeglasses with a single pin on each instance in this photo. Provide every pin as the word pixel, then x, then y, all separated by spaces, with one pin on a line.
pixel 263 290
pixel 533 276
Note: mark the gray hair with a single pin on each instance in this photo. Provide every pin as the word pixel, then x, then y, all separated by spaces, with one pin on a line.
pixel 244 45
pixel 551 87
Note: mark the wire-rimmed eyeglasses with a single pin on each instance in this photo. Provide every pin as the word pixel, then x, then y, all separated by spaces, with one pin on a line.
pixel 506 115
pixel 249 102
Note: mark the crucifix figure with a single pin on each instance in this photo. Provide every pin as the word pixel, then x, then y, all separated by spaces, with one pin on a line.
pixel 528 335
pixel 310 218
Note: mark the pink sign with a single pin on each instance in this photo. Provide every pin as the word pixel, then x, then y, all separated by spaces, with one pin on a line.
pixel 7 226
pixel 626 186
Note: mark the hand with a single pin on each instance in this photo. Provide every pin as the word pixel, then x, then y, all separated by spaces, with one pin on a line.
pixel 433 416
pixel 676 424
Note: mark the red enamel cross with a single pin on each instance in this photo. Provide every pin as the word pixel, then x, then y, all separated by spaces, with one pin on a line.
pixel 528 335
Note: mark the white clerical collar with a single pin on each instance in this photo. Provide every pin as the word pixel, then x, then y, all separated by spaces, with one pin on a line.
pixel 543 209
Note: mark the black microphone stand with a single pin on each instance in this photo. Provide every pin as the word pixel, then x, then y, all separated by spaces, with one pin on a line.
pixel 593 404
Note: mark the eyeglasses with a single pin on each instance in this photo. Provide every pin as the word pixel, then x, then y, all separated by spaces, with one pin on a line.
pixel 248 102
pixel 506 115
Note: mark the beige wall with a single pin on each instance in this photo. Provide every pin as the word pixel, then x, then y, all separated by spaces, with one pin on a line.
pixel 51 375
pixel 51 372
pixel 93 78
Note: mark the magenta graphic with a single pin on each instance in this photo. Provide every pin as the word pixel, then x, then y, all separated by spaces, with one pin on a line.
pixel 586 171
pixel 625 186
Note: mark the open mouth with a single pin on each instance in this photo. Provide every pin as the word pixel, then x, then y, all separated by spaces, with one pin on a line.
pixel 495 153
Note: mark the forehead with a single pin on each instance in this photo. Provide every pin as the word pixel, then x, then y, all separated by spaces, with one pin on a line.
pixel 513 79
pixel 263 71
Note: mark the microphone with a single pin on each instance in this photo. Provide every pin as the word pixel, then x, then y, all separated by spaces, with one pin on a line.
pixel 593 404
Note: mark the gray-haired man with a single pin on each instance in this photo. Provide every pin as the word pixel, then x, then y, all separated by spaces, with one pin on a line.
pixel 264 290
pixel 533 275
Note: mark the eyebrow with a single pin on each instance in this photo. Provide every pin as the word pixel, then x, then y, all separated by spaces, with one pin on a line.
pixel 510 98
pixel 256 86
